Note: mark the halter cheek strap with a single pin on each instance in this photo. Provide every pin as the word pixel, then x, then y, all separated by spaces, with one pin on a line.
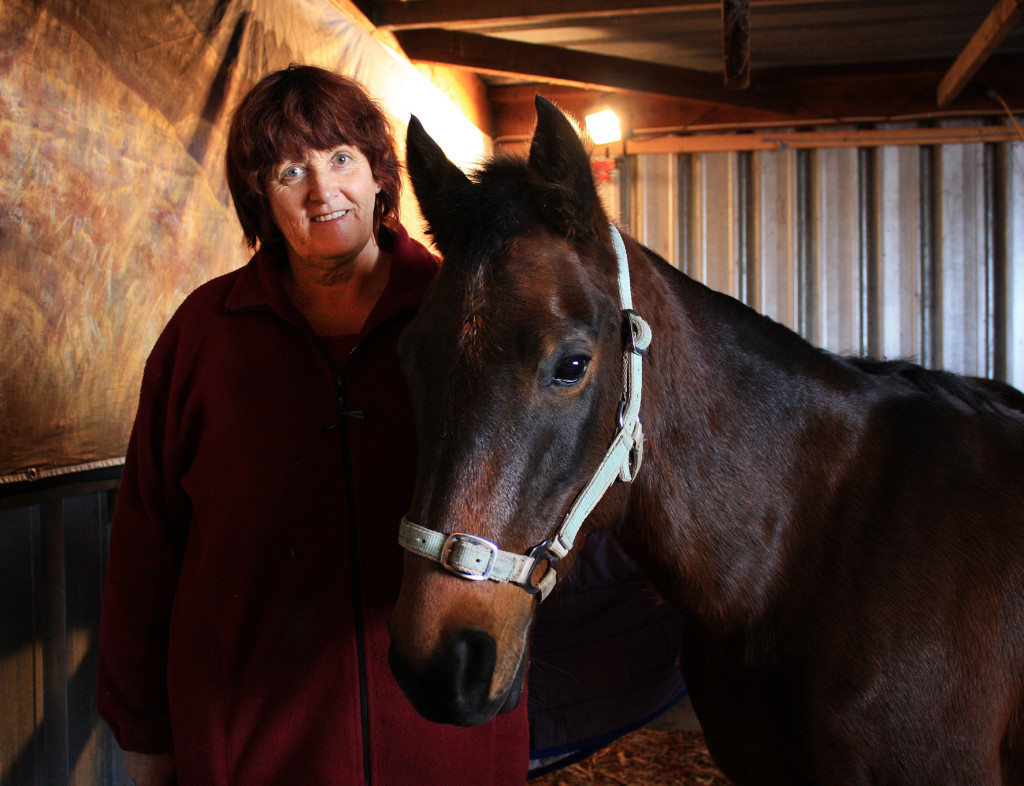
pixel 477 559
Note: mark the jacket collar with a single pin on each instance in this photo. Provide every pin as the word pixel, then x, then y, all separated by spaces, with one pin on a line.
pixel 260 284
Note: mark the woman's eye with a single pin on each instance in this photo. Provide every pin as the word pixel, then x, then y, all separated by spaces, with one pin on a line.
pixel 571 370
pixel 290 173
pixel 340 159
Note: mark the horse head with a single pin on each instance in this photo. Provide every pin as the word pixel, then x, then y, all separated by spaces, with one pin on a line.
pixel 515 367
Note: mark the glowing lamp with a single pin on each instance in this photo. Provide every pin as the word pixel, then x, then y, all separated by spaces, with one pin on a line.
pixel 603 127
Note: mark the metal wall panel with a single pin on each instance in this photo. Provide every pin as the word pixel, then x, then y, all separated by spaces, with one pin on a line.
pixel 1014 173
pixel 21 651
pixel 53 547
pixel 656 199
pixel 899 240
pixel 714 222
pixel 775 236
pixel 961 290
pixel 837 251
pixel 909 252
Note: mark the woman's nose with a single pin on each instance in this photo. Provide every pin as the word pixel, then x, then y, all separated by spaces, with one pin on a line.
pixel 323 186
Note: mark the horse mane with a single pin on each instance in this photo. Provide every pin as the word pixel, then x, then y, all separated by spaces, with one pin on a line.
pixel 984 396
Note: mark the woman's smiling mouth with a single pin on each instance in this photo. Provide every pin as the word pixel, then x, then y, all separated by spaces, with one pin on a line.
pixel 329 216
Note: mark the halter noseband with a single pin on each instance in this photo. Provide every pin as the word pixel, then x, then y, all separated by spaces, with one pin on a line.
pixel 476 559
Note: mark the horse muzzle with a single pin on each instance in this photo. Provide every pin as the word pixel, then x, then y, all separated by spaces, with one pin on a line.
pixel 454 685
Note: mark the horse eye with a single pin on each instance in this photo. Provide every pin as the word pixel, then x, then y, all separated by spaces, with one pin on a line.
pixel 571 370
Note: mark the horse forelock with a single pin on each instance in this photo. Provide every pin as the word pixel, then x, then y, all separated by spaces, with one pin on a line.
pixel 502 196
pixel 484 214
pixel 486 219
pixel 473 327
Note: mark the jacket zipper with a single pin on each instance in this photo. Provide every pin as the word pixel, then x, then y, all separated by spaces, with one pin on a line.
pixel 353 536
pixel 344 415
pixel 357 585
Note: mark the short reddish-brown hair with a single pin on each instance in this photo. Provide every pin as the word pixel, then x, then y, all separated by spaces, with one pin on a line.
pixel 295 110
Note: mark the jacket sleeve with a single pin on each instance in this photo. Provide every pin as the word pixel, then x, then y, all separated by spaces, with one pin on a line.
pixel 146 545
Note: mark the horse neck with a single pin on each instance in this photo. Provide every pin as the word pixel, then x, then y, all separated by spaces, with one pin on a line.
pixel 746 427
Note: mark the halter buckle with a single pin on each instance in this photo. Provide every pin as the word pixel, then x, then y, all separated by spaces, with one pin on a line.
pixel 462 555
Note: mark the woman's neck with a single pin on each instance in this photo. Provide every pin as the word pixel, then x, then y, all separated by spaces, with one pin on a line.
pixel 339 300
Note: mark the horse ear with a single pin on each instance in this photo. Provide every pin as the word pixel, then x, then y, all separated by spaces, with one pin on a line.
pixel 562 164
pixel 433 177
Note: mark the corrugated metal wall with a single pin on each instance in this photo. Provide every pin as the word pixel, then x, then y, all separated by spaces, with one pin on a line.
pixel 53 556
pixel 904 251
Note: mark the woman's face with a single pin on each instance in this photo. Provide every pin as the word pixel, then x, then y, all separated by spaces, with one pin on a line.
pixel 322 201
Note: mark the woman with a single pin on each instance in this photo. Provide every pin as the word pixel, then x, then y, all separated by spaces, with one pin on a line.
pixel 253 559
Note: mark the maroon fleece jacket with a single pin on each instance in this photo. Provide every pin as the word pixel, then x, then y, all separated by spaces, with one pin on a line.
pixel 253 557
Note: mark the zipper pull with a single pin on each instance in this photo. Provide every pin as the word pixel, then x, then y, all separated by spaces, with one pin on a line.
pixel 356 414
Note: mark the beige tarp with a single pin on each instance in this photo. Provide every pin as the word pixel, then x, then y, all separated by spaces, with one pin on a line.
pixel 112 202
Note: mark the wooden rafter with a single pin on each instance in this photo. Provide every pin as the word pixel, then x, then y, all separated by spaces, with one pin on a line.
pixel 463 14
pixel 559 65
pixel 997 25
pixel 472 13
pixel 901 91
pixel 797 140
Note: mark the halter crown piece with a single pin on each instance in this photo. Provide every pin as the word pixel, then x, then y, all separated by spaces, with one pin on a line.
pixel 476 559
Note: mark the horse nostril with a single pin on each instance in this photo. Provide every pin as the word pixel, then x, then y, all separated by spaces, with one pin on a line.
pixel 472 654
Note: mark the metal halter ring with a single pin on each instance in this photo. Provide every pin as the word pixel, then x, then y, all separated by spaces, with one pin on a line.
pixel 634 332
pixel 541 551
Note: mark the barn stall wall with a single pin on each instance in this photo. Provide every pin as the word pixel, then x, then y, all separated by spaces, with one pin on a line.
pixel 112 209
pixel 900 252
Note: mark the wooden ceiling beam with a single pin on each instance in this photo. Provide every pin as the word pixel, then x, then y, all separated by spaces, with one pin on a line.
pixel 804 140
pixel 901 91
pixel 458 14
pixel 453 14
pixel 997 25
pixel 538 62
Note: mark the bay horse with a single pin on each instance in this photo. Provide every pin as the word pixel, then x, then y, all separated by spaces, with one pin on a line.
pixel 843 538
